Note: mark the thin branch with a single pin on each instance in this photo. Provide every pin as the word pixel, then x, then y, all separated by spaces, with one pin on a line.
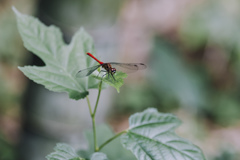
pixel 111 139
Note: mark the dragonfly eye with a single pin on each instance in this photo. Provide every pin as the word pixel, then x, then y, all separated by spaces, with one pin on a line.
pixel 113 70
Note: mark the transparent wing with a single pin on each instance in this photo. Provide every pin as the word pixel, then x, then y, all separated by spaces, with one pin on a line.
pixel 87 71
pixel 128 67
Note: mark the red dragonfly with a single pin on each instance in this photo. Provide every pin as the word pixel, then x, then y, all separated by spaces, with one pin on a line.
pixel 110 68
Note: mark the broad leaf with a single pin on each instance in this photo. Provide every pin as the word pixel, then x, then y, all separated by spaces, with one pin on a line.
pixel 63 152
pixel 62 61
pixel 151 137
pixel 99 156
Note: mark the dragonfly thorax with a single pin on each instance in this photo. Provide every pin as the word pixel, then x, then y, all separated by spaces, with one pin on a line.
pixel 108 68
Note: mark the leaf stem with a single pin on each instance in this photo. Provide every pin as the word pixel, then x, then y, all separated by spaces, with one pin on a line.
pixel 94 134
pixel 93 116
pixel 89 106
pixel 93 125
pixel 99 92
pixel 114 137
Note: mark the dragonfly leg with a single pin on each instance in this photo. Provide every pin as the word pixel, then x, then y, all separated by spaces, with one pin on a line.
pixel 101 71
pixel 98 73
pixel 113 76
pixel 108 73
pixel 104 75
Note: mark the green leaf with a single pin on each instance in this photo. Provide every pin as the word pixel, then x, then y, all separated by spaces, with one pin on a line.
pixel 62 61
pixel 151 137
pixel 99 156
pixel 117 83
pixel 63 152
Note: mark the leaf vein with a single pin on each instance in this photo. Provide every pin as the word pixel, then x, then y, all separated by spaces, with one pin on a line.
pixel 160 143
pixel 152 123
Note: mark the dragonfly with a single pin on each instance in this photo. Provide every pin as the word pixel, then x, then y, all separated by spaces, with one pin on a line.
pixel 110 68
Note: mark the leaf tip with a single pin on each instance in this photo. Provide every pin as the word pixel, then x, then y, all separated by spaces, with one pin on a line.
pixel 118 90
pixel 15 11
pixel 82 29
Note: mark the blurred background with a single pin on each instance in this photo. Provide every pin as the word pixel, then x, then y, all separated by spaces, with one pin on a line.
pixel 191 48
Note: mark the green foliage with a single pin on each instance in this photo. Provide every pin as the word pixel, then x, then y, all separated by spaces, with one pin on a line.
pixel 62 61
pixel 117 83
pixel 6 149
pixel 222 114
pixel 212 21
pixel 151 137
pixel 151 134
pixel 210 32
pixel 227 154
pixel 63 152
pixel 175 78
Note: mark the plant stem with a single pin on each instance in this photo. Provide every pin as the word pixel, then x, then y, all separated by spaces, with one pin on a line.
pixel 93 116
pixel 99 92
pixel 93 125
pixel 114 137
pixel 94 134
pixel 89 106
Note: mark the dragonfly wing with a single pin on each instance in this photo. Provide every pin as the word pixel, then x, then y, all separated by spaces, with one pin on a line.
pixel 128 67
pixel 87 71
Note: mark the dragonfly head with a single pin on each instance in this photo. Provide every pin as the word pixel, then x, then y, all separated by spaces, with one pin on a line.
pixel 113 70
